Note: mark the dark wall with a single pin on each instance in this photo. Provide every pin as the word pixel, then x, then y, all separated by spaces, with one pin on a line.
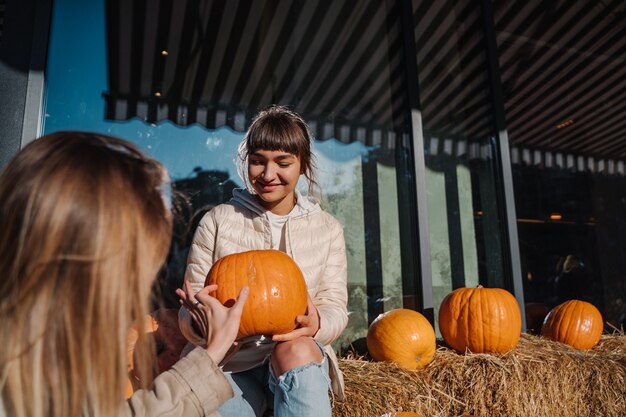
pixel 22 48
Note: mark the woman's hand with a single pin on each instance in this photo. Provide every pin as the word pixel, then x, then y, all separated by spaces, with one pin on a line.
pixel 217 323
pixel 308 325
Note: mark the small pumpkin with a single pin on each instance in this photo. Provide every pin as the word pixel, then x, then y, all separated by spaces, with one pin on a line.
pixel 162 326
pixel 481 320
pixel 278 292
pixel 405 414
pixel 402 336
pixel 574 322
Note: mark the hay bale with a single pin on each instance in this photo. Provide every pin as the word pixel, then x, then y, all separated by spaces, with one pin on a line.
pixel 538 378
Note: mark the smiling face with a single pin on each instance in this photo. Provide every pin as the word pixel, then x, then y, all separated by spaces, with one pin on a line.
pixel 274 176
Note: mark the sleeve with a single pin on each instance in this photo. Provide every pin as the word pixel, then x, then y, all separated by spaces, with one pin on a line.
pixel 195 386
pixel 199 262
pixel 331 298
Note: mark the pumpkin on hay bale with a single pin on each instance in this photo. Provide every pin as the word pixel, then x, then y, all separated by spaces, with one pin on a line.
pixel 539 377
pixel 574 322
pixel 480 320
pixel 402 336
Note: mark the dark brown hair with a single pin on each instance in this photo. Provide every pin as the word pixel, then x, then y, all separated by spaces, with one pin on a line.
pixel 278 128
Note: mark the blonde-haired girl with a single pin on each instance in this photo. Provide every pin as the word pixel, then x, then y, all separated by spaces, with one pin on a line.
pixel 86 226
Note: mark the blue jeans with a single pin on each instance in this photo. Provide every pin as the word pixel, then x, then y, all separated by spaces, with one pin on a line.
pixel 301 391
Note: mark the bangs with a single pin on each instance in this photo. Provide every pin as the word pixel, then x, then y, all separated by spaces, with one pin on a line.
pixel 278 134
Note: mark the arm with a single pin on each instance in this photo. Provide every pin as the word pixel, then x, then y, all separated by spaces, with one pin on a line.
pixel 195 386
pixel 199 262
pixel 331 299
pixel 183 390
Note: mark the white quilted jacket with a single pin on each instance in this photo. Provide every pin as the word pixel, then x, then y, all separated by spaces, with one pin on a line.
pixel 314 240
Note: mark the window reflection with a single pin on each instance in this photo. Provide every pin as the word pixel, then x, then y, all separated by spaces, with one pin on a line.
pixel 563 80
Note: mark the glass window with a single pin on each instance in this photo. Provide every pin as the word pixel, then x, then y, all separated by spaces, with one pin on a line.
pixel 465 240
pixel 564 83
pixel 183 79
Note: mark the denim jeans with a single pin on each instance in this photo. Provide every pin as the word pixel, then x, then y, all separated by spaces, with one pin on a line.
pixel 301 391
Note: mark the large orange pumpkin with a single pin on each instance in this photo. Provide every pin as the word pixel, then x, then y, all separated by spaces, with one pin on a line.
pixel 162 326
pixel 574 322
pixel 481 320
pixel 278 292
pixel 402 336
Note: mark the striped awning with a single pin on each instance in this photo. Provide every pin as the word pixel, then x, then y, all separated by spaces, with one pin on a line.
pixel 563 66
pixel 340 63
pixel 218 62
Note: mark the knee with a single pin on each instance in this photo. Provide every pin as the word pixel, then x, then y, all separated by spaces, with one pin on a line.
pixel 295 353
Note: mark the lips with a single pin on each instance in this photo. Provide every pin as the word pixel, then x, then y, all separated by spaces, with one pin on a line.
pixel 267 187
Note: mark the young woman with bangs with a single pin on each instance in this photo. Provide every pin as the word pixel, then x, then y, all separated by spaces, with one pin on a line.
pixel 291 373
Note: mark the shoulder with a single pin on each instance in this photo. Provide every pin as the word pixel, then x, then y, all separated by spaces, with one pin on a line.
pixel 233 219
pixel 227 211
pixel 320 221
pixel 328 219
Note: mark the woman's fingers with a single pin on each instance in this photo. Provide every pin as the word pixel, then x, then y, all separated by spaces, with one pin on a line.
pixel 294 334
pixel 207 290
pixel 303 320
pixel 241 300
pixel 208 300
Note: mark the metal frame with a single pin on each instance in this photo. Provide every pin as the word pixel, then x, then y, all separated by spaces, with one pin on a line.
pixel 503 171
pixel 22 63
pixel 32 126
pixel 504 176
pixel 425 287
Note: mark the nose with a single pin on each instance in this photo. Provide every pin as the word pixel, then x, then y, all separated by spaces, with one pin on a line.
pixel 268 172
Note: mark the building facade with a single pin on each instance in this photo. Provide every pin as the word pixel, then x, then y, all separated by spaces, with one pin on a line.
pixel 460 143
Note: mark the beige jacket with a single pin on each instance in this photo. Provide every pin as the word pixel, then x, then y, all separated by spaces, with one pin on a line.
pixel 180 392
pixel 314 239
pixel 195 386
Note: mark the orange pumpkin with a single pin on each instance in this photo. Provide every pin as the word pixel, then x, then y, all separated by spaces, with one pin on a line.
pixel 278 292
pixel 481 320
pixel 162 326
pixel 405 414
pixel 402 336
pixel 574 322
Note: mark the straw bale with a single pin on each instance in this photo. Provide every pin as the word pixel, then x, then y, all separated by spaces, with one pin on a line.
pixel 538 378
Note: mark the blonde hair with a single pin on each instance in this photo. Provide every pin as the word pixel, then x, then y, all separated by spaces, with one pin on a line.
pixel 276 128
pixel 85 229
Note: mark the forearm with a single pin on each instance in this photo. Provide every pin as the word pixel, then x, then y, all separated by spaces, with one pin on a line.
pixel 195 386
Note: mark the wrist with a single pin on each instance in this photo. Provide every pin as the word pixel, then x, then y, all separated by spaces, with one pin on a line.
pixel 215 353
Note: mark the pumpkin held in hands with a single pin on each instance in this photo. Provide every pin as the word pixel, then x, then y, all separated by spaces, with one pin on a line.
pixel 402 336
pixel 481 320
pixel 574 322
pixel 278 292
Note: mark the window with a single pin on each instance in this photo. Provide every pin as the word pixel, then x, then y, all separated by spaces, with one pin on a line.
pixel 184 79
